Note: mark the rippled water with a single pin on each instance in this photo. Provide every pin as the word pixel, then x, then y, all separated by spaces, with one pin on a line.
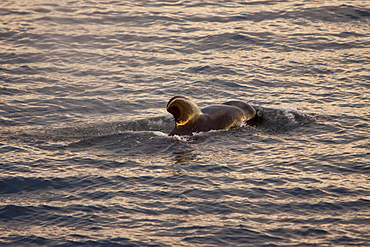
pixel 85 155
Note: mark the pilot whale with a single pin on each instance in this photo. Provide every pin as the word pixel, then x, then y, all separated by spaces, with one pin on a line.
pixel 189 118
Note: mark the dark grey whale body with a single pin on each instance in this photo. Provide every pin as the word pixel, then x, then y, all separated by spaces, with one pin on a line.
pixel 189 118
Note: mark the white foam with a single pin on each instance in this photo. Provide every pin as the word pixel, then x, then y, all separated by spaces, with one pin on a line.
pixel 160 133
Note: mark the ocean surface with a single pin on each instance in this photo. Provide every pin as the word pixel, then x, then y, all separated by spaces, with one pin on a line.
pixel 85 156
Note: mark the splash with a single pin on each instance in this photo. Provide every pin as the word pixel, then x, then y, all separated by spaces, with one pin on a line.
pixel 280 119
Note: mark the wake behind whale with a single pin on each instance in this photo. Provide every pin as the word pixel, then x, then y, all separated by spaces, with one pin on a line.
pixel 270 121
pixel 150 136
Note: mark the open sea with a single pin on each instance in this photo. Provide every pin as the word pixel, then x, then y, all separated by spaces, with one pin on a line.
pixel 85 156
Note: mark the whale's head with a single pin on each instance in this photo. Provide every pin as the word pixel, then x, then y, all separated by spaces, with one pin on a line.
pixel 184 110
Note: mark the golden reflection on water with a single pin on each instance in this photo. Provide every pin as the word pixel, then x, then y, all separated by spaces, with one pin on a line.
pixel 253 56
pixel 306 162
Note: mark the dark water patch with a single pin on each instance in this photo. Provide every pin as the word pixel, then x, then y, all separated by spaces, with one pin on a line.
pixel 332 45
pixel 79 240
pixel 326 207
pixel 229 235
pixel 28 184
pixel 22 58
pixel 42 10
pixel 6 149
pixel 282 120
pixel 83 216
pixel 112 17
pixel 7 35
pixel 8 212
pixel 89 185
pixel 135 144
pixel 305 193
pixel 351 241
pixel 11 168
pixel 9 11
pixel 298 233
pixel 226 207
pixel 211 70
pixel 103 130
pixel 230 41
pixel 342 191
pixel 346 163
pixel 335 221
pixel 342 13
pixel 350 34
pixel 21 240
pixel 225 193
